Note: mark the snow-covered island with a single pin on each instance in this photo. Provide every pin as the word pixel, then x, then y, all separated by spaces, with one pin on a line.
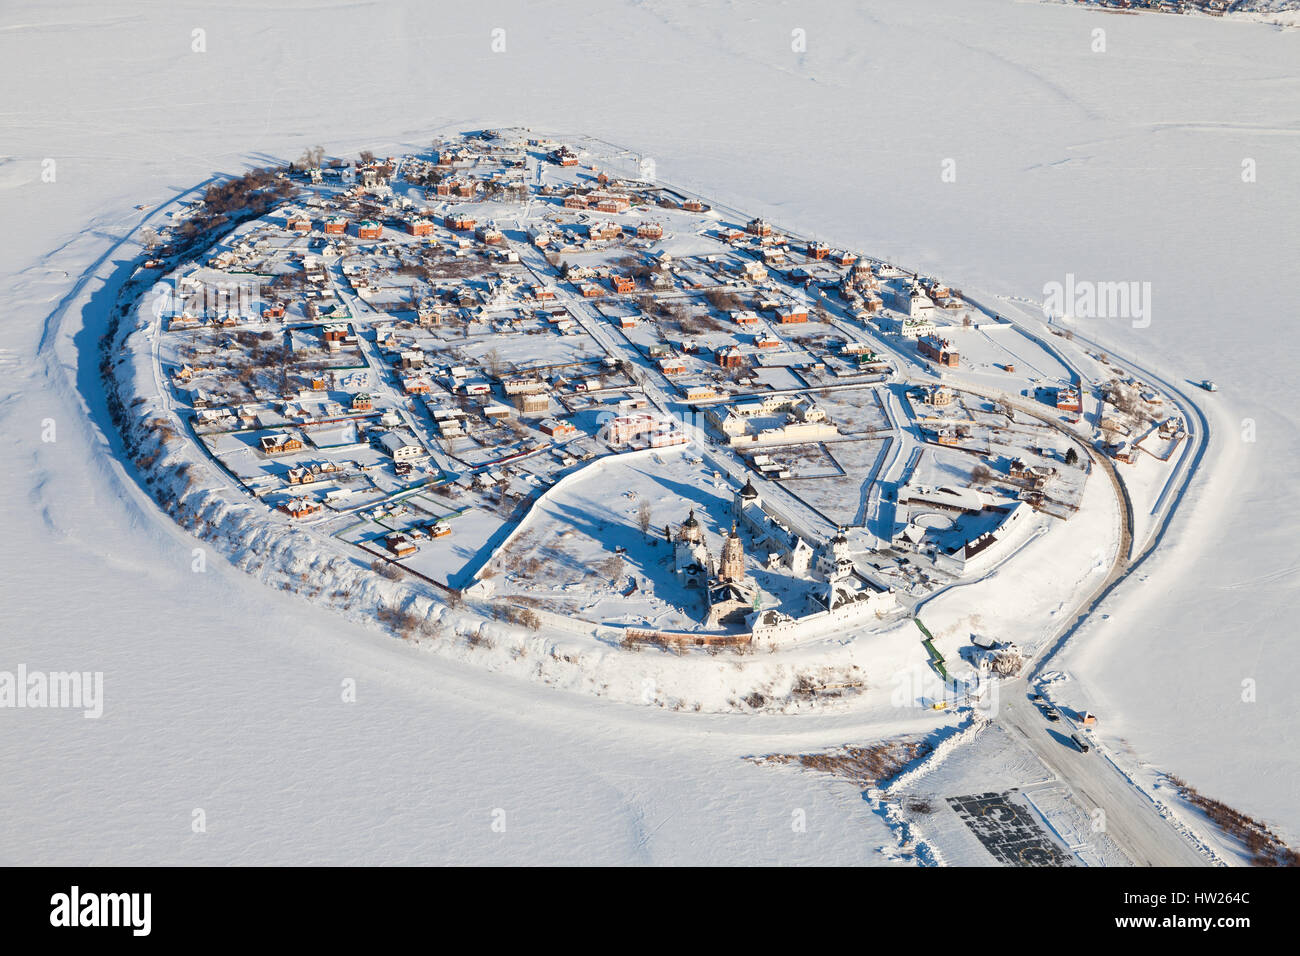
pixel 515 387
pixel 372 532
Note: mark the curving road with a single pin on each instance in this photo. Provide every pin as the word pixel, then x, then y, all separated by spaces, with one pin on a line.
pixel 1132 819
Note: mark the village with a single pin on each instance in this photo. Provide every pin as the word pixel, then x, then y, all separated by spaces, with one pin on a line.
pixel 523 371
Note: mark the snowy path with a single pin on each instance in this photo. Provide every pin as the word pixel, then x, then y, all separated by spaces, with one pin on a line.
pixel 1131 819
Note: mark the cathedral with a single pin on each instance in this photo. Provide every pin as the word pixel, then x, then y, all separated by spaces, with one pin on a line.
pixel 732 596
pixel 733 599
pixel 691 557
pixel 729 593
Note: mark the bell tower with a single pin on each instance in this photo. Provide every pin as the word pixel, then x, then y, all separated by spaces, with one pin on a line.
pixel 731 566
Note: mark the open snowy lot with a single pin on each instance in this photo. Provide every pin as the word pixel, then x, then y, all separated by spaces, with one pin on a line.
pixel 224 696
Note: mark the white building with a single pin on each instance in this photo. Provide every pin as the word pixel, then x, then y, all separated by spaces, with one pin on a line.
pixel 691 558
pixel 911 300
pixel 748 511
pixel 833 561
pixel 403 448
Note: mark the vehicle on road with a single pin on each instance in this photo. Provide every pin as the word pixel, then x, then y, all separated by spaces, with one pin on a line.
pixel 1080 743
pixel 1209 385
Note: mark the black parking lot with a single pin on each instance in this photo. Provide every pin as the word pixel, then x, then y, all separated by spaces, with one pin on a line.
pixel 1008 831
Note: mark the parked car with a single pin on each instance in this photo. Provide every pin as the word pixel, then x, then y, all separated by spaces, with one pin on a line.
pixel 1051 714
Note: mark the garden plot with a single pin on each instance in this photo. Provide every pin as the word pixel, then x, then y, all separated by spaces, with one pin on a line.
pixel 961 408
pixel 391 293
pixel 854 411
pixel 344 491
pixel 835 371
pixel 707 332
pixel 239 453
pixel 812 332
pixel 470 450
pixel 777 377
pixel 841 498
pixel 985 417
pixel 583 405
pixel 308 353
pixel 1161 444
pixel 1062 492
pixel 791 356
pixel 545 350
pixel 593 385
pixel 1029 433
pixel 806 461
pixel 475 525
pixel 335 436
pixel 645 335
pixel 613 309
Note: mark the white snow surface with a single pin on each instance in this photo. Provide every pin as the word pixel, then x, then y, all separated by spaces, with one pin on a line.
pixel 223 694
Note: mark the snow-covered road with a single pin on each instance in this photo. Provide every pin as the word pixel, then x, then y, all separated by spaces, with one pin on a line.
pixel 1128 815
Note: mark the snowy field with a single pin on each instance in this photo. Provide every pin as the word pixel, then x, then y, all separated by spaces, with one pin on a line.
pixel 223 695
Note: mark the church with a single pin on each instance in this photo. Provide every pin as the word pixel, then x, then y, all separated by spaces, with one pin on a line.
pixel 732 596
pixel 691 558
pixel 835 594
pixel 729 593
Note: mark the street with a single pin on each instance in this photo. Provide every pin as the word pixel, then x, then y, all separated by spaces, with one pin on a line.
pixel 1131 819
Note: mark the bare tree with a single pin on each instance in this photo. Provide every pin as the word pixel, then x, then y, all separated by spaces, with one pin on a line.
pixel 312 157
pixel 643 516
pixel 611 567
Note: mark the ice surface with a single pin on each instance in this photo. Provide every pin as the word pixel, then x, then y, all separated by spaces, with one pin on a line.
pixel 224 695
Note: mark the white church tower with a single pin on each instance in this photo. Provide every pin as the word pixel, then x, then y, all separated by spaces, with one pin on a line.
pixel 833 560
